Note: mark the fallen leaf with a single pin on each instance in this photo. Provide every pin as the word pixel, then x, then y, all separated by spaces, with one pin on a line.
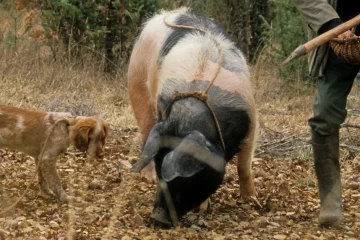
pixel 280 237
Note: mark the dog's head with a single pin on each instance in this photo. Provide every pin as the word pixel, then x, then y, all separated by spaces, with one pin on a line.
pixel 89 134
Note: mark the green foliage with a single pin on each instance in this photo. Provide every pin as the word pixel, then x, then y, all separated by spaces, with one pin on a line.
pixel 108 27
pixel 288 32
pixel 242 20
pixel 92 24
pixel 12 36
pixel 113 24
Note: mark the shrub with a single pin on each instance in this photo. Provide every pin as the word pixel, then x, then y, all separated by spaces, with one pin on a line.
pixel 288 32
pixel 101 26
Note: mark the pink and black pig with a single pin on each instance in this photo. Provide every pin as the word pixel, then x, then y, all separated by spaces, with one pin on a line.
pixel 181 142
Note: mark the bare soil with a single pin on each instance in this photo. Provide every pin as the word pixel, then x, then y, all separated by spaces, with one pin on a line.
pixel 110 202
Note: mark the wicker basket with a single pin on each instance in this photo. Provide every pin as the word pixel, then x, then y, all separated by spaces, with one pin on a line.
pixel 348 50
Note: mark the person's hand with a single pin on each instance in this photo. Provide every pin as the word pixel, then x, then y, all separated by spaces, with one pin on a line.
pixel 346 35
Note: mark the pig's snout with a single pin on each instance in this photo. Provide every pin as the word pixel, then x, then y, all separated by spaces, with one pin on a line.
pixel 161 216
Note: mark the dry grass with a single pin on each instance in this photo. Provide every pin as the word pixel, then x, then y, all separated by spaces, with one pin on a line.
pixel 30 78
pixel 284 109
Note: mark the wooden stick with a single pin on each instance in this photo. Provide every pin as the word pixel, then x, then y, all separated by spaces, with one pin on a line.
pixel 347 125
pixel 321 39
pixel 350 147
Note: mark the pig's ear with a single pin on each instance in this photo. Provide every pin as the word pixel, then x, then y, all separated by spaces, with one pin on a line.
pixel 190 157
pixel 178 164
pixel 150 149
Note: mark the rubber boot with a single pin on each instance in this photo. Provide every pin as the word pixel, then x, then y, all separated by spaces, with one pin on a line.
pixel 327 168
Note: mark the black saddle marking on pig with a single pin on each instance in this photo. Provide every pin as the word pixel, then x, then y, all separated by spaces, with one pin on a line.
pixel 238 63
pixel 191 114
pixel 231 111
pixel 189 19
pixel 196 20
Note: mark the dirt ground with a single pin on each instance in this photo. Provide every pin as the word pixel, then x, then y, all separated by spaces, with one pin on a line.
pixel 110 202
pixel 113 203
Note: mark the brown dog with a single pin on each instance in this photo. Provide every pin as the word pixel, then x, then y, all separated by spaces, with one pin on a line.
pixel 27 131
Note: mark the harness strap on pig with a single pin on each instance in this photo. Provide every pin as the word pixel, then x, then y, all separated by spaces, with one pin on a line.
pixel 201 95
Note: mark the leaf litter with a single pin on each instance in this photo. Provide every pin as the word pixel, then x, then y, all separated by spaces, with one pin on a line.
pixel 110 202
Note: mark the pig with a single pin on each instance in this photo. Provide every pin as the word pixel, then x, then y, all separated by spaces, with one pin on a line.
pixel 181 140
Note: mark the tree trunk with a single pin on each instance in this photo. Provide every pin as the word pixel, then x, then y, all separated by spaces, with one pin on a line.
pixel 245 24
pixel 260 12
pixel 109 39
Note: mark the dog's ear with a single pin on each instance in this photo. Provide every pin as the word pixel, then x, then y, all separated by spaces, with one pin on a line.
pixel 106 128
pixel 81 138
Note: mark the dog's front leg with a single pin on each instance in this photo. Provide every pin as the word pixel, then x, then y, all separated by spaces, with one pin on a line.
pixel 50 174
pixel 43 186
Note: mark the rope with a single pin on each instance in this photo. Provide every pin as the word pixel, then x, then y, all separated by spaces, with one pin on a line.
pixel 37 167
pixel 169 202
pixel 201 95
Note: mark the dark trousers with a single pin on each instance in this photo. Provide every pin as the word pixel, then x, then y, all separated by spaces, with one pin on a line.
pixel 329 106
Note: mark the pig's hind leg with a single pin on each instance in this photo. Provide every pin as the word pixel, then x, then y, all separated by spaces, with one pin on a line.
pixel 244 157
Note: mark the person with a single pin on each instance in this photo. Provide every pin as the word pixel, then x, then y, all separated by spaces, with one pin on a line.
pixel 334 82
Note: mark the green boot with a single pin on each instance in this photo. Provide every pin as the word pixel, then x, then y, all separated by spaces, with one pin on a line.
pixel 327 168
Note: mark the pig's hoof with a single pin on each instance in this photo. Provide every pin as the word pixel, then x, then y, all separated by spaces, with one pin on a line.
pixel 254 200
pixel 44 195
pixel 63 198
pixel 160 216
pixel 203 206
